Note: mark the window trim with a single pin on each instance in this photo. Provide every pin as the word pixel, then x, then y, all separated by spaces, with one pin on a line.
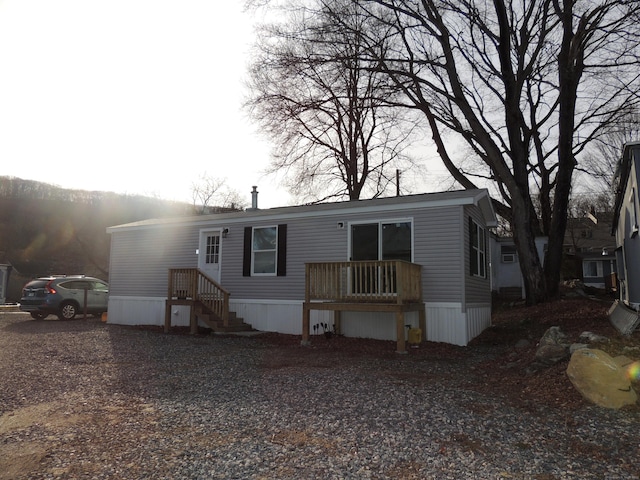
pixel 508 253
pixel 380 224
pixel 479 270
pixel 273 250
pixel 248 263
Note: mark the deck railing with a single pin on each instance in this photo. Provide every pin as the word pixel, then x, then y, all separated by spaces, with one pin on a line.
pixel 389 281
pixel 193 284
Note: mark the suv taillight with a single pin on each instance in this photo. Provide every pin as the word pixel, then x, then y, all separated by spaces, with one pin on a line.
pixel 50 289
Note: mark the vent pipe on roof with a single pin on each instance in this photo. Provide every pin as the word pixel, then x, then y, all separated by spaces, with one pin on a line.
pixel 254 198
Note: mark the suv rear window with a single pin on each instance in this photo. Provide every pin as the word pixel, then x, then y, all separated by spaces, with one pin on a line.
pixel 37 284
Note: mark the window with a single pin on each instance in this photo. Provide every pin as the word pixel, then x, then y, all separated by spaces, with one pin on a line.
pixel 212 249
pixel 76 285
pixel 508 253
pixel 396 241
pixel 477 250
pixel 100 287
pixel 593 269
pixel 384 240
pixel 265 251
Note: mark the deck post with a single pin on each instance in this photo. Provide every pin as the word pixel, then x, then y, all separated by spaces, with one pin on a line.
pixel 167 316
pixel 400 332
pixel 193 319
pixel 305 306
pixel 422 319
pixel 305 324
pixel 337 328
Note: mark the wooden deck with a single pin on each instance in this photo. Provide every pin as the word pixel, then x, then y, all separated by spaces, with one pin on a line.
pixel 392 286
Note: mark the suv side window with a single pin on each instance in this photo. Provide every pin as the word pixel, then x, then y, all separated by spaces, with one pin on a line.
pixel 100 287
pixel 76 285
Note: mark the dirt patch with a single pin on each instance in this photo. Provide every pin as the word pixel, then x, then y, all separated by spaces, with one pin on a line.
pixel 23 457
pixel 51 423
pixel 18 460
pixel 47 415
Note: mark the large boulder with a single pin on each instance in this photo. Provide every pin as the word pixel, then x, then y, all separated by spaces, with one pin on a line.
pixel 600 379
pixel 553 347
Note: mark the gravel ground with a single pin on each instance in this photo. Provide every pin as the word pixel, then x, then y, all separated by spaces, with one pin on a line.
pixel 83 399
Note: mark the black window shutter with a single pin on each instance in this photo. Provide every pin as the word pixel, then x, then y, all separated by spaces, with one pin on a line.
pixel 282 250
pixel 246 257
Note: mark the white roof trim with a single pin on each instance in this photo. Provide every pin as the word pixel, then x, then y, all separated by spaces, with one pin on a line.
pixel 479 198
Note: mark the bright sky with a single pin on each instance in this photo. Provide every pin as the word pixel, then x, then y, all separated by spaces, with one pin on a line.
pixel 131 96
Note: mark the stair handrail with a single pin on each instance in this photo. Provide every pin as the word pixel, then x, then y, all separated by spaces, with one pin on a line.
pixel 195 285
pixel 213 296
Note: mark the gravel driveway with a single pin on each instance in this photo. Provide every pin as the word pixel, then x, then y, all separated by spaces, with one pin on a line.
pixel 83 399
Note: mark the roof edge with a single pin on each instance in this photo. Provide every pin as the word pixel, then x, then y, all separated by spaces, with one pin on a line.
pixel 479 197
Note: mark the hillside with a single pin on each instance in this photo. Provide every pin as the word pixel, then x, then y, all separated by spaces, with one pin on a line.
pixel 45 229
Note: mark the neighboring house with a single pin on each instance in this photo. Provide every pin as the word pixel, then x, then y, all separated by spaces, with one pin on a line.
pixel 588 255
pixel 506 276
pixel 259 257
pixel 625 226
pixel 589 250
pixel 597 269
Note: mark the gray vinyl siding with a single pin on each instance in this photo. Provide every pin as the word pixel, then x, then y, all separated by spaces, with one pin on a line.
pixel 478 289
pixel 308 240
pixel 140 259
pixel 142 254
pixel 437 247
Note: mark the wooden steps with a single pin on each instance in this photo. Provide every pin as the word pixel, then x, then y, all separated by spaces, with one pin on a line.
pixel 235 323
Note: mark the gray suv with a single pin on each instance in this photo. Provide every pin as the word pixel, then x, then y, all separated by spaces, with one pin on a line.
pixel 64 296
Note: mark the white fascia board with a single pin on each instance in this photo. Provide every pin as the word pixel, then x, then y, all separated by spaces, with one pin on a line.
pixel 483 201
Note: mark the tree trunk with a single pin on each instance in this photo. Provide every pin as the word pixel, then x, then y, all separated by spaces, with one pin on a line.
pixel 530 265
pixel 571 65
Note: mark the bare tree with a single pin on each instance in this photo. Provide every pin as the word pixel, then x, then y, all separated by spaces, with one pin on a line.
pixel 210 194
pixel 320 100
pixel 602 157
pixel 526 85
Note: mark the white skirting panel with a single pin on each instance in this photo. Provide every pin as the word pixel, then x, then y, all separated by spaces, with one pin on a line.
pixel 446 322
pixel 263 315
pixel 478 319
pixel 380 326
pixel 144 311
pixel 277 316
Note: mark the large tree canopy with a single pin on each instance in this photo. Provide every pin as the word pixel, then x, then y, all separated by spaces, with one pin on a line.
pixel 513 92
pixel 526 85
pixel 315 93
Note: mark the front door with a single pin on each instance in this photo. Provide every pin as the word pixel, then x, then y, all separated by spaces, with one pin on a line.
pixel 209 253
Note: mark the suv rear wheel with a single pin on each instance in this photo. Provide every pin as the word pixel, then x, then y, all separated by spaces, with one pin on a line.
pixel 39 315
pixel 67 311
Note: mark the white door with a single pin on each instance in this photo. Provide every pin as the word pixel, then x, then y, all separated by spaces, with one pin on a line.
pixel 209 253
